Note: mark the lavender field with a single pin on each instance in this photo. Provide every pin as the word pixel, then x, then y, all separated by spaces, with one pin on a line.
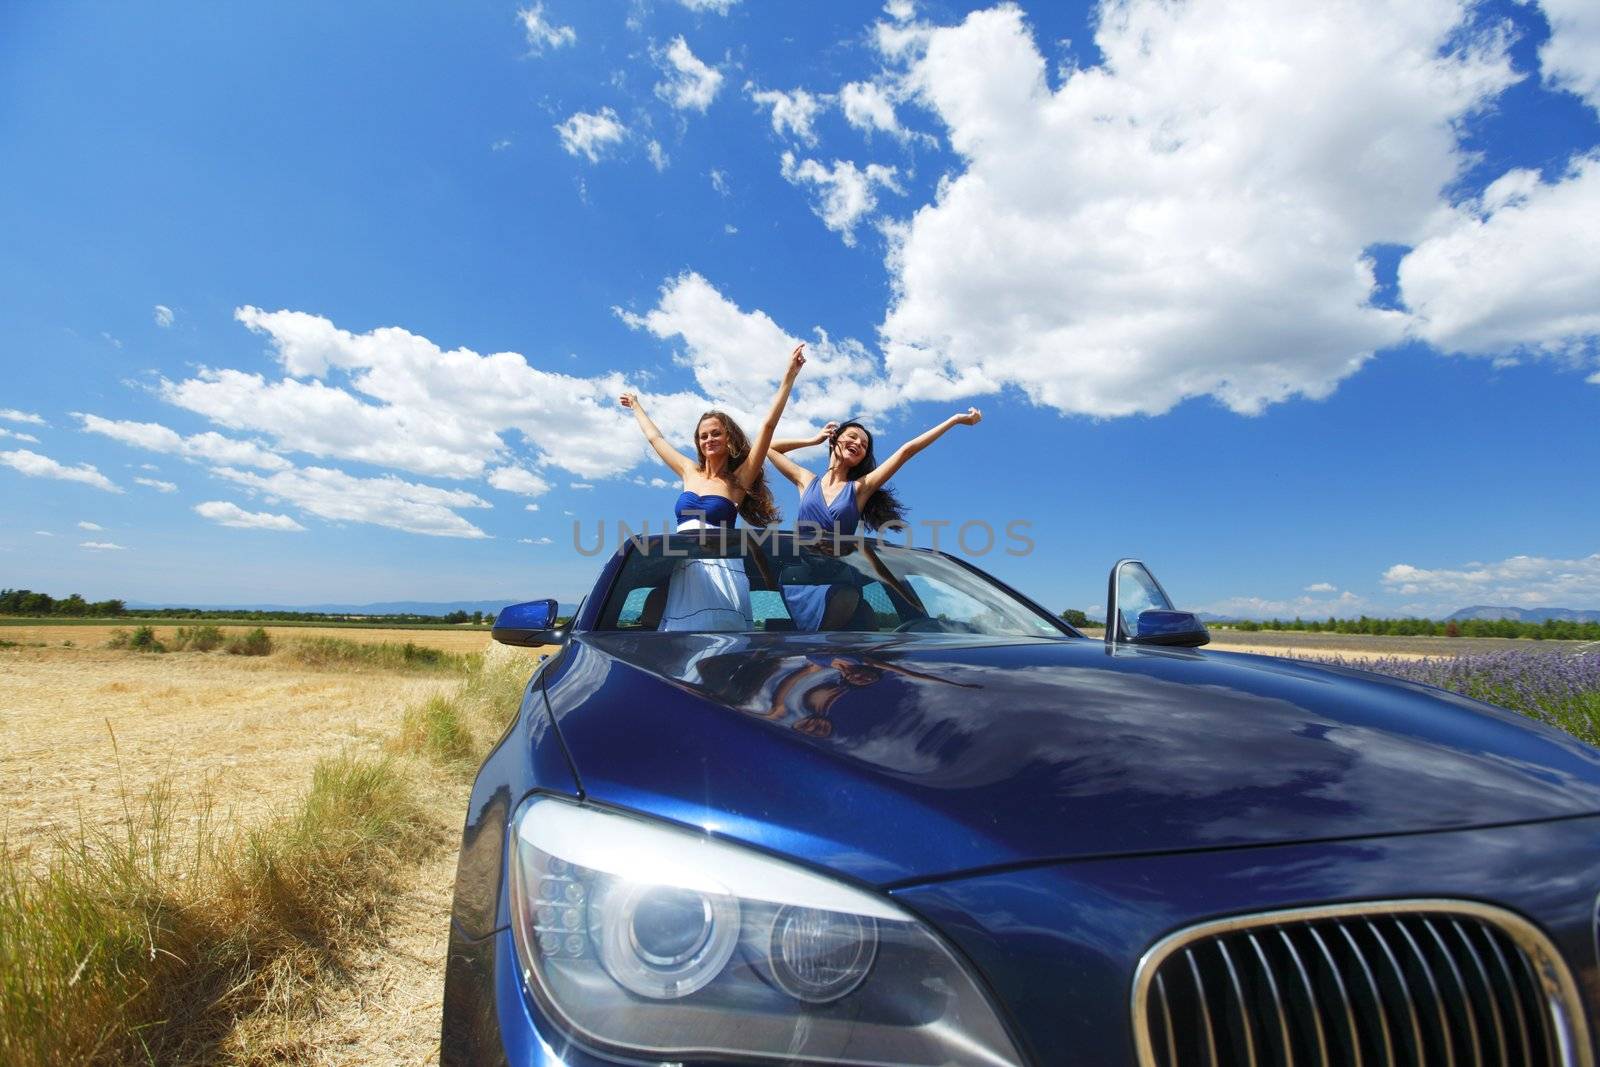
pixel 1561 689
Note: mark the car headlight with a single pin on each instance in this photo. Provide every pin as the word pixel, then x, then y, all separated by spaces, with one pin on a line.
pixel 649 939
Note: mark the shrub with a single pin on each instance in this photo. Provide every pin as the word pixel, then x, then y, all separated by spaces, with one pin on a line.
pixel 385 655
pixel 142 639
pixel 198 638
pixel 435 730
pixel 254 643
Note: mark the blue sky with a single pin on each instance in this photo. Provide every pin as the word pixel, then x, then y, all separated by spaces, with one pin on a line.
pixel 307 303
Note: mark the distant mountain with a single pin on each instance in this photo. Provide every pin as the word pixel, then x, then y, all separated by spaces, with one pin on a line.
pixel 392 607
pixel 1534 615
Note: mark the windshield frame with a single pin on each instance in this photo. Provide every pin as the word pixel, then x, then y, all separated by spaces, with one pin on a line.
pixel 761 542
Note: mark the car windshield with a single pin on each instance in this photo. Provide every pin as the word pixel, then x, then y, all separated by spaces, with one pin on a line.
pixel 764 580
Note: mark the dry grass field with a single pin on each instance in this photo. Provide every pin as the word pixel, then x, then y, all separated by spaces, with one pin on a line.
pixel 95 635
pixel 88 729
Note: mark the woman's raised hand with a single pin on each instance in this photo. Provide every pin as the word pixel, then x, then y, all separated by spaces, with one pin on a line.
pixel 797 358
pixel 629 400
pixel 970 417
pixel 826 432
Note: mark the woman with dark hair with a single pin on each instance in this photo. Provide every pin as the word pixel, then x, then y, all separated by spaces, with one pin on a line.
pixel 725 480
pixel 850 493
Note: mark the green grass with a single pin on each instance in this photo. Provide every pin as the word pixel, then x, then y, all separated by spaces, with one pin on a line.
pixel 379 655
pixel 127 947
pixel 457 731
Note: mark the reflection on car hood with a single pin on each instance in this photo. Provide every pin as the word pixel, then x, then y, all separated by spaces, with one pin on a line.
pixel 897 757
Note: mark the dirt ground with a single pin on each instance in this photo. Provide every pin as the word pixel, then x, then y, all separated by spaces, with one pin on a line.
pixel 88 729
pixel 95 635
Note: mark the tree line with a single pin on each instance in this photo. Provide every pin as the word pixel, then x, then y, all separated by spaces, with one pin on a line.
pixel 1549 630
pixel 43 605
pixel 27 602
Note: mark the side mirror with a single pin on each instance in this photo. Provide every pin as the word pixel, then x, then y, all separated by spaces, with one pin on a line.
pixel 1138 611
pixel 1173 628
pixel 529 625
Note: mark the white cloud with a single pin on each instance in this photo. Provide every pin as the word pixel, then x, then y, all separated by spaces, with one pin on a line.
pixel 1255 607
pixel 530 507
pixel 1521 581
pixel 1322 587
pixel 90 526
pixel 102 546
pixel 227 514
pixel 533 541
pixel 591 134
pixel 44 533
pixel 209 447
pixel 501 145
pixel 157 484
pixel 419 408
pixel 18 435
pixel 385 501
pixel 36 466
pixel 13 415
pixel 717 7
pixel 163 316
pixel 541 32
pixel 867 107
pixel 581 485
pixel 689 83
pixel 719 182
pixel 1516 269
pixel 1189 218
pixel 519 480
pixel 900 10
pixel 791 112
pixel 658 156
pixel 846 193
pixel 739 356
pixel 1571 57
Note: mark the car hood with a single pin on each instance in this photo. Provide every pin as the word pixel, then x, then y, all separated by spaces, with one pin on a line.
pixel 901 757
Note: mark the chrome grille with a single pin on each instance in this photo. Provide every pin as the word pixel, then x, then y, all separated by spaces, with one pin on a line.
pixel 1372 985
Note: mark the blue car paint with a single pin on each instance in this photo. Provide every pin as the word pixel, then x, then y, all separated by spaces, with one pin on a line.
pixel 1041 853
pixel 961 753
pixel 1060 943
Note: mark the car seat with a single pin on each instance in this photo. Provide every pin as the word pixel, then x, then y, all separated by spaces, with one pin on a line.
pixel 655 602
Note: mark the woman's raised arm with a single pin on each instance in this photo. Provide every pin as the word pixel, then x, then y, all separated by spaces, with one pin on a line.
pixel 750 469
pixel 869 483
pixel 792 443
pixel 787 467
pixel 681 464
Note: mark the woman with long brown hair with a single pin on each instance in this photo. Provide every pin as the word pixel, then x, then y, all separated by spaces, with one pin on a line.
pixel 852 492
pixel 725 480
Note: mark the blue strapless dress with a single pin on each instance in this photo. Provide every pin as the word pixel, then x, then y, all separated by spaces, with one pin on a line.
pixel 707 594
pixel 702 511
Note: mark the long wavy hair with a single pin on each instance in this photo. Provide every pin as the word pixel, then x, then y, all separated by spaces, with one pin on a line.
pixel 757 507
pixel 883 507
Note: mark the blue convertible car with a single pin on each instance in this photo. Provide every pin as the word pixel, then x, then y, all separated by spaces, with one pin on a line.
pixel 942 827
